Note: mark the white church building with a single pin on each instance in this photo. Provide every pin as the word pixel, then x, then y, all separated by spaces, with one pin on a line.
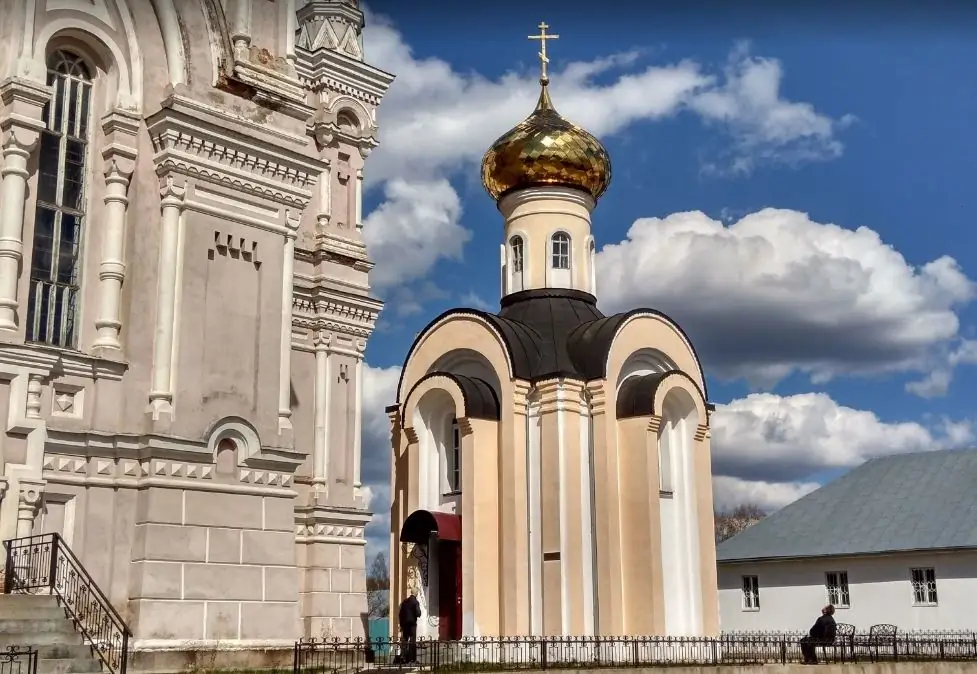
pixel 184 307
pixel 892 542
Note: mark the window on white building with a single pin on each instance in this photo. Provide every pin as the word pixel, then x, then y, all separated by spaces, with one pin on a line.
pixel 924 587
pixel 561 251
pixel 836 584
pixel 60 215
pixel 454 459
pixel 751 593
pixel 516 255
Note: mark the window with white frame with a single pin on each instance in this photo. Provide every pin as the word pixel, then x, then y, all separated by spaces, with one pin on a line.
pixel 60 214
pixel 561 250
pixel 836 585
pixel 454 459
pixel 924 587
pixel 516 256
pixel 751 593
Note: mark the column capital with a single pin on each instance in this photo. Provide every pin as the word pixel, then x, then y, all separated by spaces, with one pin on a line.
pixel 30 492
pixel 121 129
pixel 23 103
pixel 172 188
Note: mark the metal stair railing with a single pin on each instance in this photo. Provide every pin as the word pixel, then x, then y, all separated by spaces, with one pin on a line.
pixel 36 563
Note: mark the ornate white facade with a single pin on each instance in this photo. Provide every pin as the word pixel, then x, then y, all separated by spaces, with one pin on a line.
pixel 184 306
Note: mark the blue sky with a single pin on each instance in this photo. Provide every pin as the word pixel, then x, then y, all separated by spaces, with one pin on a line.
pixel 796 189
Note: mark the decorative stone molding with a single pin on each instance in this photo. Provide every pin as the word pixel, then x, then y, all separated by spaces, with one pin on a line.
pixel 353 315
pixel 48 361
pixel 273 79
pixel 411 434
pixel 465 426
pixel 35 385
pixel 655 424
pixel 98 467
pixel 326 24
pixel 328 132
pixel 701 432
pixel 325 72
pixel 319 523
pixel 199 142
pixel 598 397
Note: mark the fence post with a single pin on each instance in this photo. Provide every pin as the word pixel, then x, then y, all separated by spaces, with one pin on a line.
pixel 8 567
pixel 783 650
pixel 542 655
pixel 53 572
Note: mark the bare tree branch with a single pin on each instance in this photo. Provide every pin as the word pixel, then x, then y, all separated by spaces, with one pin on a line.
pixel 730 523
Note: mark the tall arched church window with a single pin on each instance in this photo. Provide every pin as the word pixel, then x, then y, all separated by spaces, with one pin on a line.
pixel 55 262
pixel 454 458
pixel 560 260
pixel 516 257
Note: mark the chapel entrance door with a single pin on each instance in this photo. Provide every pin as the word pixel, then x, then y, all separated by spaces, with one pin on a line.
pixel 449 590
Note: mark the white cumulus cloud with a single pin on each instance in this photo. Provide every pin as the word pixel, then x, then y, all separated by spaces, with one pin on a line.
pixel 777 292
pixel 437 120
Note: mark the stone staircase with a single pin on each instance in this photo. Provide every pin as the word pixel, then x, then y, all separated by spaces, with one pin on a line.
pixel 38 621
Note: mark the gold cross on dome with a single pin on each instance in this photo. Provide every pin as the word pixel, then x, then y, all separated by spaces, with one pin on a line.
pixel 543 59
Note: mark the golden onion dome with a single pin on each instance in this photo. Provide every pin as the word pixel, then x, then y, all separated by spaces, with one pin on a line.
pixel 546 149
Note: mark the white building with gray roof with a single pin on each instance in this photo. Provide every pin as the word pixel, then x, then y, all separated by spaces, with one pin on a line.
pixel 891 542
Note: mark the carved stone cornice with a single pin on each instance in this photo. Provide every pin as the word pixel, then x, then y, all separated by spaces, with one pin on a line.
pixel 326 70
pixel 195 140
pixel 52 362
pixel 273 82
pixel 322 309
pixel 330 247
pixel 322 523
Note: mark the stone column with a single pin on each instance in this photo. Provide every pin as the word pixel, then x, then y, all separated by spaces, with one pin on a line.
pixel 358 201
pixel 320 457
pixel 285 365
pixel 30 499
pixel 120 161
pixel 358 416
pixel 161 395
pixel 21 127
pixel 32 409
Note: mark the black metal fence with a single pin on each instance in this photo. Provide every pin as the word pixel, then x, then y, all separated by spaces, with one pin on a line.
pixel 504 653
pixel 38 564
pixel 18 660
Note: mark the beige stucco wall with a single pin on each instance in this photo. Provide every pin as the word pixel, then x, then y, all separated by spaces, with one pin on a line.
pixel 624 522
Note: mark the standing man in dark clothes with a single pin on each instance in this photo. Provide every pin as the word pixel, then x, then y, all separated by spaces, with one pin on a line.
pixel 822 633
pixel 410 613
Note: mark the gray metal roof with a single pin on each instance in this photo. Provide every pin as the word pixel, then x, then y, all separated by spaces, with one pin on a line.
pixel 920 501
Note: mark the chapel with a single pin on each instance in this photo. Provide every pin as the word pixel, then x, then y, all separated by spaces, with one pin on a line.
pixel 184 309
pixel 551 464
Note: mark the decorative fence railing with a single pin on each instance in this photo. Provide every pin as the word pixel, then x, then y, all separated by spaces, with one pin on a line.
pixel 18 660
pixel 39 564
pixel 504 653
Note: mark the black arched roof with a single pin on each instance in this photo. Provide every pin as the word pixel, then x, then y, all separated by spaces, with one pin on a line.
pixel 636 397
pixel 481 401
pixel 553 332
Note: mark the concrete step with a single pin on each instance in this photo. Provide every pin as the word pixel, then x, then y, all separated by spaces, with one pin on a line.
pixel 40 639
pixel 28 600
pixel 28 613
pixel 88 665
pixel 35 625
pixel 65 651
